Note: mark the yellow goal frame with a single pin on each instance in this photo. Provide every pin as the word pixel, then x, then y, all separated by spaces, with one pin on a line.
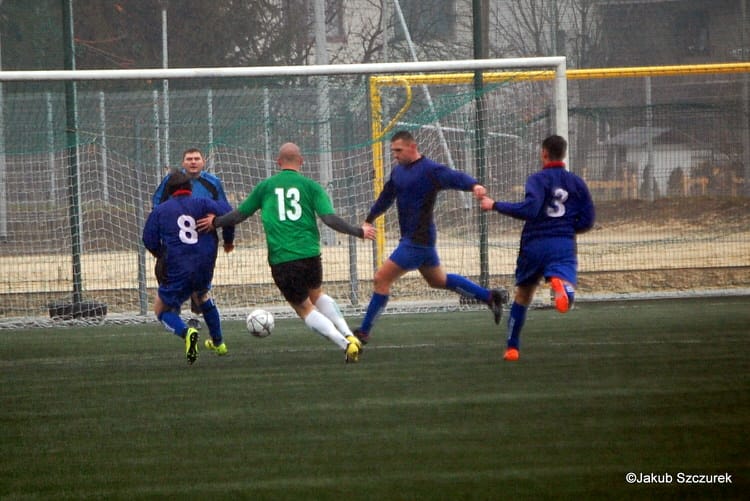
pixel 377 82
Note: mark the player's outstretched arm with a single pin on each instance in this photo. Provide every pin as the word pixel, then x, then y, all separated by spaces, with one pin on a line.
pixel 211 221
pixel 333 221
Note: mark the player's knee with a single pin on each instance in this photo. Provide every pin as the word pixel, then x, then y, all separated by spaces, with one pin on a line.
pixel 160 309
pixel 524 295
pixel 437 283
pixel 381 284
pixel 208 305
pixel 316 294
pixel 160 312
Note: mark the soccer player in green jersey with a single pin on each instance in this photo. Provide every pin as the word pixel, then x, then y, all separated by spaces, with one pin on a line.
pixel 289 203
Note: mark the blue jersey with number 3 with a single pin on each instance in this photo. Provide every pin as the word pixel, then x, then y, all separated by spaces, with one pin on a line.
pixel 557 205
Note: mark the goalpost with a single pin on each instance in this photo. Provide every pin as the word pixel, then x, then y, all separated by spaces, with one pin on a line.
pixel 239 117
pixel 379 85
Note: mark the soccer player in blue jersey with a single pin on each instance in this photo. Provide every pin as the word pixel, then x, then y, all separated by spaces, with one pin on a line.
pixel 203 185
pixel 556 208
pixel 171 233
pixel 414 185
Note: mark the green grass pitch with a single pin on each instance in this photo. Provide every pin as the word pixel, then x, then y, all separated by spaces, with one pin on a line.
pixel 431 411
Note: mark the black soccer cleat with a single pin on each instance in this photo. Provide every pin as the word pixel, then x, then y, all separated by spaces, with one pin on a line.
pixel 498 297
pixel 362 336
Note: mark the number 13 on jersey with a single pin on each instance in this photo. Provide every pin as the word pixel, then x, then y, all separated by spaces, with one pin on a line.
pixel 288 204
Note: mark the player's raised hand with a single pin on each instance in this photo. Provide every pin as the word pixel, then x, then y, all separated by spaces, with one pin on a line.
pixel 206 224
pixel 486 203
pixel 368 231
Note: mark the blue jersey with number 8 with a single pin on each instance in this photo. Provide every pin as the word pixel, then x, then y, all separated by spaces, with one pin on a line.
pixel 171 228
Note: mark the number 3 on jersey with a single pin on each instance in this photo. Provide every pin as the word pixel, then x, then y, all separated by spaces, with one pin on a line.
pixel 557 204
pixel 290 196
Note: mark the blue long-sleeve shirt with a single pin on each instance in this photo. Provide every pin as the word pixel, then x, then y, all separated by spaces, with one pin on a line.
pixel 206 185
pixel 414 188
pixel 557 204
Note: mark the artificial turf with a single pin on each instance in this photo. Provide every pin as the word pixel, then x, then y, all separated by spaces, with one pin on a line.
pixel 656 388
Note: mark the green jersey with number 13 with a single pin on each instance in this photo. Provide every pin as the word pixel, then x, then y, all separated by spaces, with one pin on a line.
pixel 289 203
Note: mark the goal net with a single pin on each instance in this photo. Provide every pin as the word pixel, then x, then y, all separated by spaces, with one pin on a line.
pixel 81 154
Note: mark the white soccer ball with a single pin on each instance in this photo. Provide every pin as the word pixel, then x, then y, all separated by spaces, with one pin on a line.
pixel 260 323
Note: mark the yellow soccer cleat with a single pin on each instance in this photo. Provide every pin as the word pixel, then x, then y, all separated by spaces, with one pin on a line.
pixel 219 350
pixel 353 349
pixel 191 345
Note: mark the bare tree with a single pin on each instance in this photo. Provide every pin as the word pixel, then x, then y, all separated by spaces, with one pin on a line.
pixel 436 30
pixel 525 27
pixel 365 33
pixel 584 48
pixel 528 28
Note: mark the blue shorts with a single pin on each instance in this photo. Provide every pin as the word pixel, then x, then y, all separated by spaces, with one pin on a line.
pixel 547 258
pixel 410 256
pixel 178 289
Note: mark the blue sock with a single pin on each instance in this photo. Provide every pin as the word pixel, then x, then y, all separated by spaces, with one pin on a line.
pixel 466 288
pixel 173 323
pixel 213 321
pixel 374 309
pixel 516 319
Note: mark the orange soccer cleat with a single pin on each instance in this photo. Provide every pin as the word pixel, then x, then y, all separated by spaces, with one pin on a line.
pixel 511 355
pixel 561 297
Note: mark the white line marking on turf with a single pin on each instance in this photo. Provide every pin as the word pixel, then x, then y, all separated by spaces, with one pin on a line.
pixel 621 343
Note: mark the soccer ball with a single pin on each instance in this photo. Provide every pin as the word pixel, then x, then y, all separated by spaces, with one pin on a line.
pixel 260 323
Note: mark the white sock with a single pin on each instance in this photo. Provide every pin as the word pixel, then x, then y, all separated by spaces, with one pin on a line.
pixel 328 307
pixel 320 324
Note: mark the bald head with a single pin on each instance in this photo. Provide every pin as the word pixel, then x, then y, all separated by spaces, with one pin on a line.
pixel 289 156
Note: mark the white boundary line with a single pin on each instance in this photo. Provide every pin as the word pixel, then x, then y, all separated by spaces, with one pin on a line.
pixel 394 308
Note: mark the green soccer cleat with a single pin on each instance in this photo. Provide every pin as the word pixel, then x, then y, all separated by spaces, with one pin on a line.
pixel 219 350
pixel 191 345
pixel 353 349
